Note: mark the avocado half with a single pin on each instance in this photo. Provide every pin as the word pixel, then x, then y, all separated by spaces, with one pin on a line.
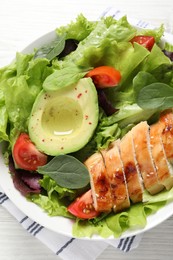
pixel 63 121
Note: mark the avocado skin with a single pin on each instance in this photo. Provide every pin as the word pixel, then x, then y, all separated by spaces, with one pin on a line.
pixel 63 121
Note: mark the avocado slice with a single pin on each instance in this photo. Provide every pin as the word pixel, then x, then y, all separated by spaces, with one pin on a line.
pixel 63 121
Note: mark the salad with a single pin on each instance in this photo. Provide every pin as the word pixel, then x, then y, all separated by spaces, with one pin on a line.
pixel 73 98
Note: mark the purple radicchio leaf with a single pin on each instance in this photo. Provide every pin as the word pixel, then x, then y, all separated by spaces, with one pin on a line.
pixel 108 108
pixel 169 54
pixel 24 181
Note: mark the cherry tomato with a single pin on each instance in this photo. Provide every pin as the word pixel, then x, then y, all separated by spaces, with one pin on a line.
pixel 146 41
pixel 26 155
pixel 83 207
pixel 104 76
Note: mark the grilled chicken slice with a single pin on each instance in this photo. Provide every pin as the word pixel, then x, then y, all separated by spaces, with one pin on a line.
pixel 166 120
pixel 157 131
pixel 116 178
pixel 99 183
pixel 146 166
pixel 132 174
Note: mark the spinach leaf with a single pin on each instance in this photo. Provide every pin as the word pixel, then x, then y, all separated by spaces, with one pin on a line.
pixel 67 171
pixel 155 96
pixel 163 73
pixel 51 50
pixel 141 80
pixel 63 78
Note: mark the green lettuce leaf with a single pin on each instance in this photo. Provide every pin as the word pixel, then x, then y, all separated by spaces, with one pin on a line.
pixel 106 134
pixel 53 206
pixel 55 199
pixel 20 83
pixel 155 59
pixel 5 73
pixel 50 186
pixel 168 46
pixel 18 103
pixel 99 46
pixel 133 218
pixel 77 30
pixel 3 123
pixel 128 114
pixel 85 228
pixel 129 62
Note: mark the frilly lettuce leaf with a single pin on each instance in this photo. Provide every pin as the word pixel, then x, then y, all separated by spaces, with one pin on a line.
pixel 106 135
pixel 20 83
pixel 168 47
pixel 55 199
pixel 77 30
pixel 133 218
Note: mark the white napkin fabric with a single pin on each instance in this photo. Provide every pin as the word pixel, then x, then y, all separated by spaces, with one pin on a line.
pixel 68 247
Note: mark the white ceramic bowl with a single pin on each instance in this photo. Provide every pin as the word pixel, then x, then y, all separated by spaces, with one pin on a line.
pixel 60 224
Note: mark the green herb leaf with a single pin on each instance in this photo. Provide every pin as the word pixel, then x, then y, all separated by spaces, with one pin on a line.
pixel 51 50
pixel 63 78
pixel 163 73
pixel 67 171
pixel 141 80
pixel 156 96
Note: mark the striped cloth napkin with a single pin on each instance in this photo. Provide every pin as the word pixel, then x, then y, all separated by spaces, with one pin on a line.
pixel 68 247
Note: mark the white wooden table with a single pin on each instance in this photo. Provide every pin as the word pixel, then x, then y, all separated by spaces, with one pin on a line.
pixel 21 22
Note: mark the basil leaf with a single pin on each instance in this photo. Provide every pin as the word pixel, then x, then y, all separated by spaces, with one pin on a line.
pixel 67 171
pixel 156 96
pixel 51 50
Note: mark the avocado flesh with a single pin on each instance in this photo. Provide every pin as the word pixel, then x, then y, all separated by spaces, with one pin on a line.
pixel 63 121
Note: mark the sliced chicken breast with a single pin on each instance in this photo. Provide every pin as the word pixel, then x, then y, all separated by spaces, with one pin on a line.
pixel 166 120
pixel 146 166
pixel 100 186
pixel 132 174
pixel 143 159
pixel 158 152
pixel 116 178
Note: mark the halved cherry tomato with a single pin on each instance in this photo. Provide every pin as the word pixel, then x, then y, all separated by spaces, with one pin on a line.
pixel 26 155
pixel 83 207
pixel 104 76
pixel 146 41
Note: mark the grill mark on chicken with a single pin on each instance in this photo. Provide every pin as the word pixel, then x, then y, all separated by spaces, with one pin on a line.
pixel 143 157
pixel 103 184
pixel 116 178
pixel 133 178
pixel 99 183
